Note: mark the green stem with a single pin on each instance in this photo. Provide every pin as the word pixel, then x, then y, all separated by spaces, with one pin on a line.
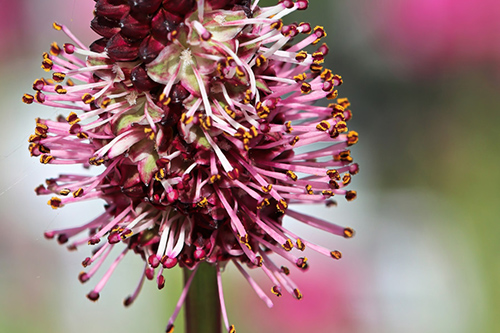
pixel 203 313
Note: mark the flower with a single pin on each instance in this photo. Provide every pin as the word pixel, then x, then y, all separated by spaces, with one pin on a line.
pixel 432 37
pixel 202 118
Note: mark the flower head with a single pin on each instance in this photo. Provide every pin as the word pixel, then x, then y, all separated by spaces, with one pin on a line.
pixel 202 115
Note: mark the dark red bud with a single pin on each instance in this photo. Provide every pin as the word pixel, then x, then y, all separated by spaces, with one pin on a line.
pixel 105 27
pixel 163 23
pixel 181 7
pixel 106 8
pixel 141 80
pixel 133 28
pixel 179 93
pixel 99 45
pixel 149 49
pixel 117 2
pixel 119 49
pixel 145 6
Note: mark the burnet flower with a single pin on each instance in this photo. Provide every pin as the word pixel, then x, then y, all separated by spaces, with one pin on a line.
pixel 202 118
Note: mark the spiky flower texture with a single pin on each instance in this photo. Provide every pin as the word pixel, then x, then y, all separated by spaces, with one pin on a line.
pixel 201 115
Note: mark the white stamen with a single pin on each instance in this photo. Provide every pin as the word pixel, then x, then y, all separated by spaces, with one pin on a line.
pixel 220 19
pixel 120 76
pixel 186 57
pixel 132 98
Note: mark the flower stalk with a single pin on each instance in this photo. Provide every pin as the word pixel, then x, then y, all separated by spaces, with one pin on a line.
pixel 202 308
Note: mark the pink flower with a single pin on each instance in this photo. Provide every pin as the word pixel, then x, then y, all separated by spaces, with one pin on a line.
pixel 202 117
pixel 436 35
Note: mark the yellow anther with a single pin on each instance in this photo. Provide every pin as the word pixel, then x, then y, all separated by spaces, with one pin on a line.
pixel 323 126
pixel 88 98
pixel 56 26
pixel 292 175
pixel 336 254
pixel 348 232
pixel 78 193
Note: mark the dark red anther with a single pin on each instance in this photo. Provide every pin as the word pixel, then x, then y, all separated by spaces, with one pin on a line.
pixel 75 128
pixel 320 32
pixel 86 262
pixel 264 127
pixel 154 261
pixel 119 49
pixel 168 262
pixel 301 263
pixel 324 49
pixel 181 7
pixel 83 277
pixel 353 168
pixel 62 238
pixel 172 196
pixel 150 273
pixel 306 27
pixel 107 9
pixel 38 84
pixel 105 27
pixel 133 28
pixel 98 46
pixel 161 282
pixel 289 30
pixel 141 80
pixel 127 301
pixel 327 86
pixel 94 240
pixel 49 234
pixel 199 254
pixel 302 4
pixel 39 97
pixel 144 6
pixel 333 184
pixel 233 174
pixel 162 162
pixel 287 3
pixel 163 23
pixel 114 238
pixel 93 296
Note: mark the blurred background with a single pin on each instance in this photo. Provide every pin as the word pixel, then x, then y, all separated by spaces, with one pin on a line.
pixel 423 79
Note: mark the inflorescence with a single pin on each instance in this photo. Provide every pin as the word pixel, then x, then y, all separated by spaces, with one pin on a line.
pixel 202 118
